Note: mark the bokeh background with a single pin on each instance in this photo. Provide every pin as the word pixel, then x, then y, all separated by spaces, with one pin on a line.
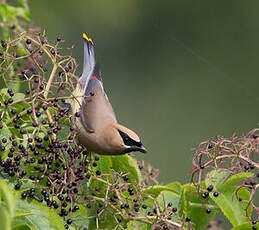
pixel 176 71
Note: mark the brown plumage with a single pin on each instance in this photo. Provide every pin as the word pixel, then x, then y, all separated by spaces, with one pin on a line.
pixel 97 127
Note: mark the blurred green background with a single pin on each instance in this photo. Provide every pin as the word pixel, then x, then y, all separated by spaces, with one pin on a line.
pixel 176 71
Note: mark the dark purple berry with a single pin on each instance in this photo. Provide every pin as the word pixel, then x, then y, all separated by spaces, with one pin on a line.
pixel 24 195
pixel 174 209
pixel 28 41
pixel 188 219
pixel 3 43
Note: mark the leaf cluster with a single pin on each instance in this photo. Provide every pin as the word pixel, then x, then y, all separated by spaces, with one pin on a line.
pixel 48 181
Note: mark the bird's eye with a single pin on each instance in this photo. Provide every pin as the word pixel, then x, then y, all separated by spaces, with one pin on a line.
pixel 128 141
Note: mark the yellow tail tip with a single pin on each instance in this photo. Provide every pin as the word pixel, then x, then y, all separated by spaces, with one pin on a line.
pixel 87 39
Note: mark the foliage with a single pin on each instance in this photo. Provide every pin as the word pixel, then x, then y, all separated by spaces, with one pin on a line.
pixel 50 182
pixel 16 213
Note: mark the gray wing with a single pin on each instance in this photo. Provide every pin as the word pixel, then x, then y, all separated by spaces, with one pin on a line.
pixel 95 104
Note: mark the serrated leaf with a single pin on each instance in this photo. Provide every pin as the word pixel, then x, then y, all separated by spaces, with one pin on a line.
pixel 80 217
pixel 104 165
pixel 190 205
pixel 227 201
pixel 14 85
pixel 42 217
pixel 3 94
pixel 107 165
pixel 5 132
pixel 26 185
pixel 245 226
pixel 217 177
pixel 175 186
pixel 126 164
pixel 157 189
pixel 237 178
pixel 18 96
pixel 7 196
pixel 167 196
pixel 233 209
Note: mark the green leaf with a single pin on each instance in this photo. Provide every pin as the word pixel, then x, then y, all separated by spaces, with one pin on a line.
pixel 217 177
pixel 18 96
pixel 175 186
pixel 4 12
pixel 245 226
pixel 22 227
pixel 155 190
pixel 42 217
pixel 4 94
pixel 137 225
pixel 5 219
pixel 7 196
pixel 231 207
pixel 19 12
pixel 5 132
pixel 104 165
pixel 14 85
pixel 80 217
pixel 107 165
pixel 190 205
pixel 10 13
pixel 165 197
pixel 126 164
pixel 227 201
pixel 24 3
pixel 18 224
pixel 2 82
pixel 26 185
pixel 222 179
pixel 237 178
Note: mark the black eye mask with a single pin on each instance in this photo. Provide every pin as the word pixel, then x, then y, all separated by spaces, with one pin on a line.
pixel 128 141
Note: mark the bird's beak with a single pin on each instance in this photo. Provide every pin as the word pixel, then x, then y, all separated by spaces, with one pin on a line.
pixel 142 149
pixel 136 149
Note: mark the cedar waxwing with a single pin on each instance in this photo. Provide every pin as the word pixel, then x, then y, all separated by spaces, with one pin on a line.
pixel 95 123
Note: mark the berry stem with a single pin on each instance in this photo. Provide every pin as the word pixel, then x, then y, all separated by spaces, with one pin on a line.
pixel 51 78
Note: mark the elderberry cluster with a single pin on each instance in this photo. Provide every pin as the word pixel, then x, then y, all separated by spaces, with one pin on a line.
pixel 39 151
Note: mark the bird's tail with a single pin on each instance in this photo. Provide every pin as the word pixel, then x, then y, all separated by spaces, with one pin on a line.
pixel 89 60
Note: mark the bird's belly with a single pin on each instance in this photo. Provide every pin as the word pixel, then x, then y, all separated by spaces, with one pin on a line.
pixel 89 141
pixel 92 143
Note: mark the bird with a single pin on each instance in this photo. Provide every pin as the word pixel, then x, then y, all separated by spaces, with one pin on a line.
pixel 95 122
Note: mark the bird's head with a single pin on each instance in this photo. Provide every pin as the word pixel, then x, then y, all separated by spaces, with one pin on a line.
pixel 126 140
